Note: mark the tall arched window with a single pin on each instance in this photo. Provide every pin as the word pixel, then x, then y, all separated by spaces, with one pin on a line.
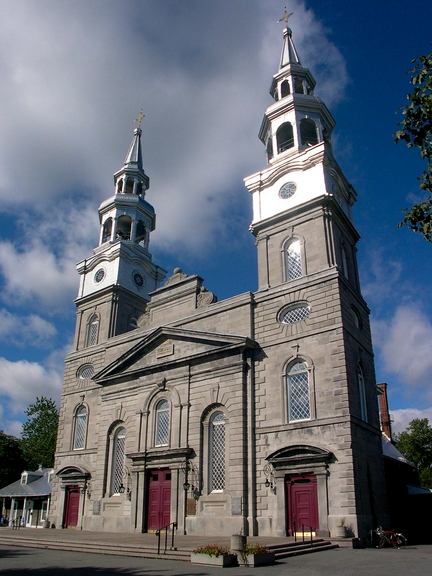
pixel 285 88
pixel 123 231
pixel 298 392
pixel 293 260
pixel 298 86
pixel 217 452
pixel 80 430
pixel 362 394
pixel 93 330
pixel 285 137
pixel 308 132
pixel 118 459
pixel 107 227
pixel 162 423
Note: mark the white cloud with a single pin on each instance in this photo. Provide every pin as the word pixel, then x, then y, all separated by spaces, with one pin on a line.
pixel 405 347
pixel 401 418
pixel 74 76
pixel 22 381
pixel 23 329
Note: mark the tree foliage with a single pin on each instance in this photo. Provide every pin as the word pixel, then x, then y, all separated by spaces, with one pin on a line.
pixel 11 458
pixel 40 433
pixel 416 444
pixel 416 130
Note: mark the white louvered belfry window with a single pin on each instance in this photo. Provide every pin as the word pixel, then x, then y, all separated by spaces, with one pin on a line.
pixel 217 452
pixel 80 428
pixel 293 260
pixel 162 423
pixel 298 392
pixel 93 331
pixel 118 459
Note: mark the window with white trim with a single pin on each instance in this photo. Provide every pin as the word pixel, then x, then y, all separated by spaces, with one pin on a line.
pixel 93 330
pixel 362 394
pixel 217 451
pixel 293 260
pixel 162 423
pixel 118 459
pixel 299 406
pixel 80 431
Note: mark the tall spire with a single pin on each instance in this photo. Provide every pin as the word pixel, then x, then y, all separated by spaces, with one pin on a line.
pixel 134 155
pixel 289 53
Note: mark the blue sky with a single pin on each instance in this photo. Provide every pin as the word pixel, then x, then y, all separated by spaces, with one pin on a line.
pixel 75 75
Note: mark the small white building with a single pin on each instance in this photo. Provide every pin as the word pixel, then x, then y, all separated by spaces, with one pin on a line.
pixel 26 501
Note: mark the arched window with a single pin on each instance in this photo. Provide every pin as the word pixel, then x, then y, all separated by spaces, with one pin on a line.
pixel 362 394
pixel 308 132
pixel 123 231
pixel 118 459
pixel 129 186
pixel 119 186
pixel 285 137
pixel 298 86
pixel 298 392
pixel 93 330
pixel 293 260
pixel 162 423
pixel 285 88
pixel 217 451
pixel 107 227
pixel 80 430
pixel 140 233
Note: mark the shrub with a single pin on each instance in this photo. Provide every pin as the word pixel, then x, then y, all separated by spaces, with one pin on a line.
pixel 212 550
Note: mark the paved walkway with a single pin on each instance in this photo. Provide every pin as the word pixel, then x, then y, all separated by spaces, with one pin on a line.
pixel 413 561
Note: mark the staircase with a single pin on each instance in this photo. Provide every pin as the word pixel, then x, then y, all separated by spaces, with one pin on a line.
pixel 143 545
pixel 296 548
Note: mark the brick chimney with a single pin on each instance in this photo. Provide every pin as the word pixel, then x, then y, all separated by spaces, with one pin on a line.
pixel 384 411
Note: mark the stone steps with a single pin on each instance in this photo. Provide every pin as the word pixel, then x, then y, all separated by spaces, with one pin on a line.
pixel 297 548
pixel 98 548
pixel 145 549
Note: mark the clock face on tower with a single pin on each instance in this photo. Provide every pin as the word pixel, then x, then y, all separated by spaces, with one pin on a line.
pixel 99 276
pixel 138 279
pixel 288 190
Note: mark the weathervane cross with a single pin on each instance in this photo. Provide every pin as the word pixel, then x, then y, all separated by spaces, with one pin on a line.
pixel 140 118
pixel 285 17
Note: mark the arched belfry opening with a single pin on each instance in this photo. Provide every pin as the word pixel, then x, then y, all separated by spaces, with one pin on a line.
pixel 107 230
pixel 285 137
pixel 308 132
pixel 123 231
pixel 285 89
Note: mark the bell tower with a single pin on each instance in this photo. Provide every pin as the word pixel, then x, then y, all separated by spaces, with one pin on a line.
pixel 312 316
pixel 115 282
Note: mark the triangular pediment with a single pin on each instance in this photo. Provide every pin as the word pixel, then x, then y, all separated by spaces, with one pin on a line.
pixel 165 347
pixel 299 454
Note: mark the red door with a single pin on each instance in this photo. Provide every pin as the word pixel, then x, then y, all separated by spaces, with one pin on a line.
pixel 72 506
pixel 159 499
pixel 302 498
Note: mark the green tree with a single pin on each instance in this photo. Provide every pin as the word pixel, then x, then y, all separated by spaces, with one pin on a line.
pixel 11 458
pixel 416 130
pixel 416 444
pixel 40 433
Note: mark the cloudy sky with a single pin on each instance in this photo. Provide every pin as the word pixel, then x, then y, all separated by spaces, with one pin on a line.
pixel 74 75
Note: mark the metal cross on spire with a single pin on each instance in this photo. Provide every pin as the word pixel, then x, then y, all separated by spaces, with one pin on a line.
pixel 140 118
pixel 285 17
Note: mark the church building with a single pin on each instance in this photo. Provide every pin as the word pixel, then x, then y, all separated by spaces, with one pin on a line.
pixel 257 414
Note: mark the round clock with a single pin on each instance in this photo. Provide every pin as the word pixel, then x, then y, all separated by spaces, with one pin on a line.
pixel 287 190
pixel 100 275
pixel 138 279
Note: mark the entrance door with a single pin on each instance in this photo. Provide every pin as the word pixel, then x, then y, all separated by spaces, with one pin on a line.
pixel 302 500
pixel 72 498
pixel 29 513
pixel 159 499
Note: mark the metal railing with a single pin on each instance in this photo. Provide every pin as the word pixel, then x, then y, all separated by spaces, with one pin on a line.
pixel 166 528
pixel 302 533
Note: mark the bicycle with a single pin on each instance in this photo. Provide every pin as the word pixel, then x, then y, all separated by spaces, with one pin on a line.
pixel 390 537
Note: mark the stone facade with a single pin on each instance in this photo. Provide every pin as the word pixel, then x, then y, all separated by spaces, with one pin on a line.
pixel 257 414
